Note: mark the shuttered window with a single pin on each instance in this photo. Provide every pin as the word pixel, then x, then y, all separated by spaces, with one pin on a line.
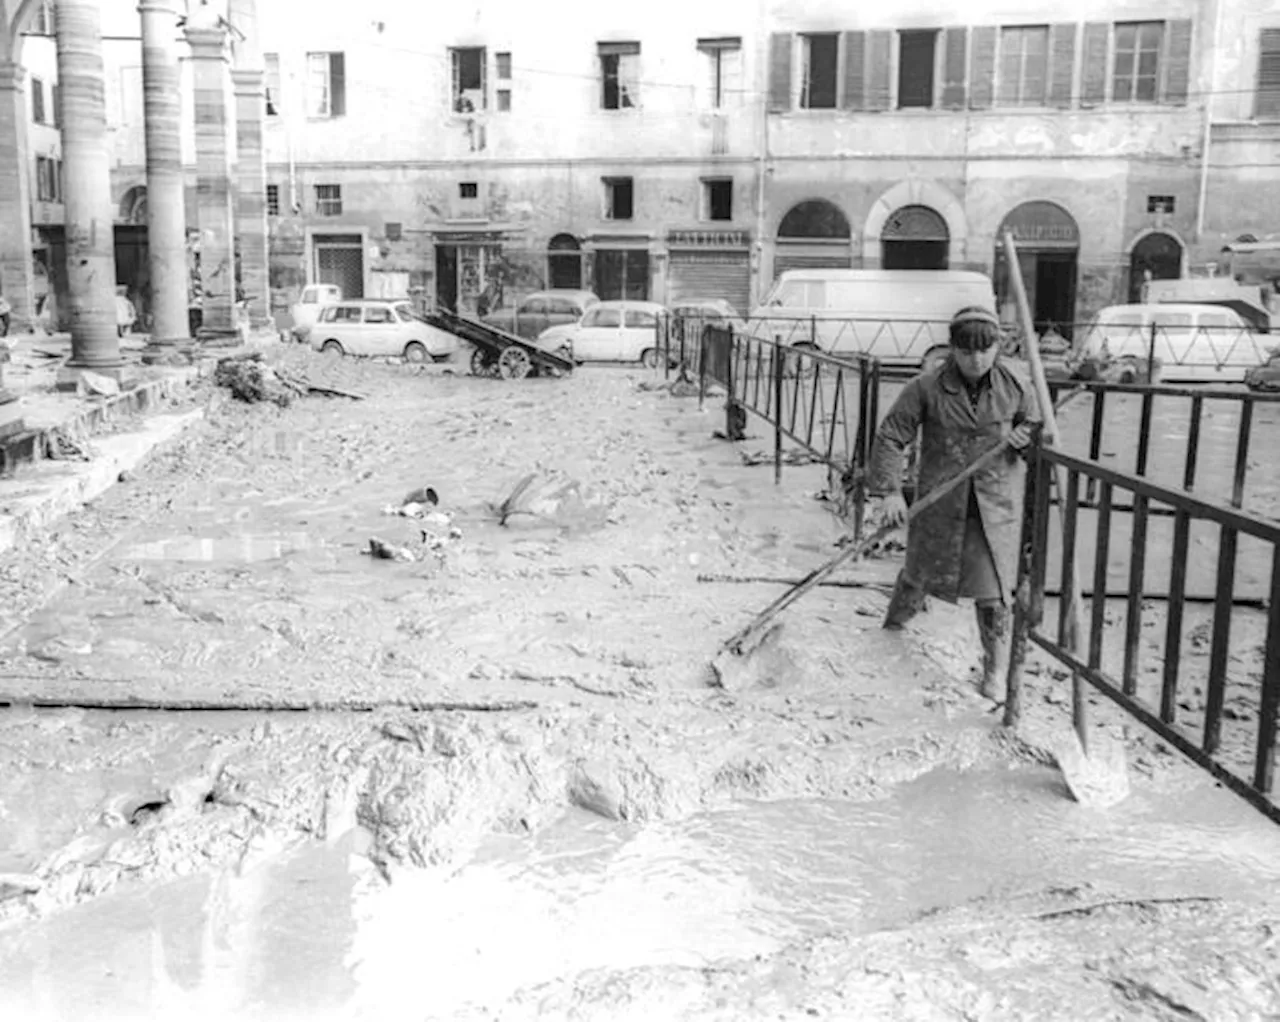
pixel 1268 98
pixel 1062 63
pixel 855 70
pixel 879 55
pixel 916 62
pixel 1024 65
pixel 1093 72
pixel 955 64
pixel 779 72
pixel 1177 61
pixel 982 67
pixel 1135 74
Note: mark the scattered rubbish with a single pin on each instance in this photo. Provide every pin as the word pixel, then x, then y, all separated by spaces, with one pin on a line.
pixel 683 385
pixel 60 445
pixel 555 500
pixel 250 380
pixel 96 385
pixel 423 495
pixel 793 456
pixel 380 549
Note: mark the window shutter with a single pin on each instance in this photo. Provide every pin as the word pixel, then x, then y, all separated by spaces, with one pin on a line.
pixel 955 42
pixel 1093 73
pixel 337 84
pixel 855 70
pixel 1062 63
pixel 779 72
pixel 879 43
pixel 982 68
pixel 1177 71
pixel 1267 103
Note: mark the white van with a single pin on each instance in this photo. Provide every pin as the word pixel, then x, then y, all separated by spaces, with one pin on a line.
pixel 897 316
pixel 1191 343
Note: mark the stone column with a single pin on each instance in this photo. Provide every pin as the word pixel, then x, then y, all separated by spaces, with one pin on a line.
pixel 251 194
pixel 210 63
pixel 17 271
pixel 86 178
pixel 166 210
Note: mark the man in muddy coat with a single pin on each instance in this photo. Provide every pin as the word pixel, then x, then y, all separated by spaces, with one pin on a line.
pixel 966 545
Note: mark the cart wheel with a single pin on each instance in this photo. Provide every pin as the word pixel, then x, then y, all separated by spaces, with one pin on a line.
pixel 479 362
pixel 514 364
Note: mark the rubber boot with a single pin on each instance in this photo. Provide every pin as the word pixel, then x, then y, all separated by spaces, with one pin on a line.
pixel 994 631
pixel 906 602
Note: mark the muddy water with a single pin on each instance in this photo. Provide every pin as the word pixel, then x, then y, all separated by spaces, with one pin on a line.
pixel 317 933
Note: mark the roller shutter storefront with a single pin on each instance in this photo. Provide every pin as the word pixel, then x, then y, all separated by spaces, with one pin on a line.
pixel 811 257
pixel 693 274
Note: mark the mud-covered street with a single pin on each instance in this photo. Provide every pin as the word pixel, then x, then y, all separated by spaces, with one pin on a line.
pixel 487 777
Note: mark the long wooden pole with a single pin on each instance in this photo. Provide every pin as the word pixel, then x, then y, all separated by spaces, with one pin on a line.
pixel 1052 438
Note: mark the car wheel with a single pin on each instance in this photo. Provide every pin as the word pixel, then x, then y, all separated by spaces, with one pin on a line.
pixel 649 358
pixel 332 348
pixel 416 353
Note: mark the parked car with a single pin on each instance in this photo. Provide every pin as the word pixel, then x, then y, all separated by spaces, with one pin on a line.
pixel 5 312
pixel 541 310
pixel 1191 343
pixel 374 326
pixel 614 331
pixel 708 310
pixel 306 310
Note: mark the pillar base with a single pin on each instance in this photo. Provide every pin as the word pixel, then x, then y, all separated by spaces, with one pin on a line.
pixel 68 378
pixel 168 352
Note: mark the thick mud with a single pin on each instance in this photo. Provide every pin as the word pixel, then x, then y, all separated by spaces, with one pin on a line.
pixel 515 794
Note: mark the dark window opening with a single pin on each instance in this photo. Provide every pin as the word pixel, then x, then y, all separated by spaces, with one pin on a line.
pixel 468 80
pixel 329 200
pixel 821 59
pixel 468 190
pixel 619 195
pixel 392 230
pixel 1160 203
pixel 37 100
pixel 619 75
pixel 916 62
pixel 273 200
pixel 719 198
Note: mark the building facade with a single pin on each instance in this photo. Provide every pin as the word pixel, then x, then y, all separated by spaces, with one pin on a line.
pixel 486 150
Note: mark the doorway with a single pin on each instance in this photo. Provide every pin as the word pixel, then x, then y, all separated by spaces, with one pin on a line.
pixel 622 273
pixel 1055 290
pixel 564 262
pixel 447 278
pixel 1048 243
pixel 1157 256
pixel 339 259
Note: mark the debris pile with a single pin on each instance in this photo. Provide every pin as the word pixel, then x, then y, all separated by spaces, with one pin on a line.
pixel 249 379
pixel 553 499
pixel 435 528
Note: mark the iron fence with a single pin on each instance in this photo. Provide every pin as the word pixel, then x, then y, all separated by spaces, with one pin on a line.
pixel 1223 717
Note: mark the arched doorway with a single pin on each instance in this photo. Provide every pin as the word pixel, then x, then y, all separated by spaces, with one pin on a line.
pixel 1156 256
pixel 915 238
pixel 1048 243
pixel 813 235
pixel 133 206
pixel 564 262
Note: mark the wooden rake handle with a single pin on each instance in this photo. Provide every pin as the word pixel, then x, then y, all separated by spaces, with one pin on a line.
pixel 746 637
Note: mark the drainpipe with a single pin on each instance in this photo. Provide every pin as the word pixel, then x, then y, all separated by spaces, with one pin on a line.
pixel 1206 139
pixel 762 170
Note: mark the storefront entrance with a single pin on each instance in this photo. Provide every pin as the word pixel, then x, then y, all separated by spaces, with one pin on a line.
pixel 1157 256
pixel 710 264
pixel 915 238
pixel 814 235
pixel 621 273
pixel 1048 243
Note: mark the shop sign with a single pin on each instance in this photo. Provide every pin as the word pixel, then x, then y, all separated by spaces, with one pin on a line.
pixel 708 239
pixel 1041 223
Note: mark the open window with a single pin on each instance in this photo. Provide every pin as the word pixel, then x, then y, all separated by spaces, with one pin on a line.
pixel 469 93
pixel 619 75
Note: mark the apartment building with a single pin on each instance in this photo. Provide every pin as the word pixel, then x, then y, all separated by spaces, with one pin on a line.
pixel 497 148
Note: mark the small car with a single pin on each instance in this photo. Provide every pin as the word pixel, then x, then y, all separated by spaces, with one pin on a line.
pixel 613 331
pixel 541 310
pixel 708 310
pixel 306 310
pixel 380 327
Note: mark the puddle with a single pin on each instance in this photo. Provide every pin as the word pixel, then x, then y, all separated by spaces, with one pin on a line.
pixel 317 934
pixel 239 548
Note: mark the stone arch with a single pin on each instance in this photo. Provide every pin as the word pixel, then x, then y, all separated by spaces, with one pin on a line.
pixel 1156 253
pixel 133 206
pixel 815 218
pixel 916 192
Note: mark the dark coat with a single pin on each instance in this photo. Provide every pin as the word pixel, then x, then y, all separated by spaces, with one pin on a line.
pixel 954 434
